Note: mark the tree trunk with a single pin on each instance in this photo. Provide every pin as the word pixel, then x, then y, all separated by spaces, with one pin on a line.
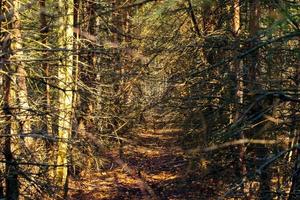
pixel 252 86
pixel 45 66
pixel 65 78
pixel 87 74
pixel 9 100
pixel 16 47
pixel 238 93
pixel 117 38
pixel 12 83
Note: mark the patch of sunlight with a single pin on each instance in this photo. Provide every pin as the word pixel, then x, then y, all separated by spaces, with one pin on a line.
pixel 98 187
pixel 203 164
pixel 102 182
pixel 108 194
pixel 101 196
pixel 160 136
pixel 148 152
pixel 168 130
pixel 125 179
pixel 162 176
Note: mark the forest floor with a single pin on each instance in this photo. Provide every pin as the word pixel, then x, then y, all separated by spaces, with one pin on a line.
pixel 152 166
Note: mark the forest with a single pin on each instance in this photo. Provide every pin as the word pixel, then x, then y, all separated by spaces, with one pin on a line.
pixel 150 99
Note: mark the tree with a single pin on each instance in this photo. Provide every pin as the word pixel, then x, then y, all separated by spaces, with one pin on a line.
pixel 83 81
pixel 65 94
pixel 44 30
pixel 14 88
pixel 237 70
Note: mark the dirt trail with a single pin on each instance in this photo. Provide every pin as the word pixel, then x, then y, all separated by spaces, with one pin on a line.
pixel 153 166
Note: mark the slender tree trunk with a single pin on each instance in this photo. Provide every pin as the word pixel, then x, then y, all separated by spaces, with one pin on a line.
pixel 238 93
pixel 254 17
pixel 16 47
pixel 12 82
pixel 47 119
pixel 65 76
pixel 76 11
pixel 87 75
pixel 11 171
pixel 118 66
pixel 45 66
pixel 252 86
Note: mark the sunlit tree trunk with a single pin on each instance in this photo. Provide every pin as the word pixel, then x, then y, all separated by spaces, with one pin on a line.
pixel 15 102
pixel 236 63
pixel 66 86
pixel 17 63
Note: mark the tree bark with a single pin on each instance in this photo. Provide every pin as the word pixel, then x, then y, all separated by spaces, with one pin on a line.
pixel 238 93
pixel 45 66
pixel 65 78
pixel 252 86
pixel 9 100
pixel 17 56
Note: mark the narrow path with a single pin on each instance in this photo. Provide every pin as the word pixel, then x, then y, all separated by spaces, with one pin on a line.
pixel 153 166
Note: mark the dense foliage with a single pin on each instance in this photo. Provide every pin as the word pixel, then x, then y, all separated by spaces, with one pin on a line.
pixel 83 81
